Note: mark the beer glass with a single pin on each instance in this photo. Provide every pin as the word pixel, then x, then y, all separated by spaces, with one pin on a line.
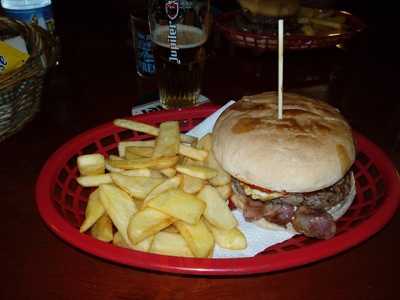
pixel 143 46
pixel 179 30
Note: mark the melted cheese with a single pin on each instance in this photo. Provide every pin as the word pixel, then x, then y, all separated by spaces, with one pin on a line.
pixel 260 195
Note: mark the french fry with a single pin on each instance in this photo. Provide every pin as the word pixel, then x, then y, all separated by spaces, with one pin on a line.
pixel 187 139
pixel 144 245
pixel 93 180
pixel 197 171
pixel 225 191
pixel 217 211
pixel 167 141
pixel 192 185
pixel 114 157
pixel 94 210
pixel 91 164
pixel 119 206
pixel 222 176
pixel 139 172
pixel 192 162
pixel 138 151
pixel 103 229
pixel 185 150
pixel 178 204
pixel 138 203
pixel 156 174
pixel 119 241
pixel 167 243
pixel 211 254
pixel 135 172
pixel 108 165
pixel 166 196
pixel 136 126
pixel 192 152
pixel 124 144
pixel 171 228
pixel 171 183
pixel 232 239
pixel 327 23
pixel 109 168
pixel 169 172
pixel 145 128
pixel 140 163
pixel 131 156
pixel 147 222
pixel 205 143
pixel 136 186
pixel 197 236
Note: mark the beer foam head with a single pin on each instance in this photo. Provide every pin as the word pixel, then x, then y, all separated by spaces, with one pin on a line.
pixel 185 36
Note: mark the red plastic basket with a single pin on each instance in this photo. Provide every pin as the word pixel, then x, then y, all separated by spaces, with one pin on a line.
pixel 61 203
pixel 269 41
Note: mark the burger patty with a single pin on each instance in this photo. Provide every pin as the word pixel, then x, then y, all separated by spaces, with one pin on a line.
pixel 307 211
pixel 322 199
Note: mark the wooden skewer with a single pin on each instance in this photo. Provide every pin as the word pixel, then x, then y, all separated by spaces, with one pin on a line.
pixel 280 69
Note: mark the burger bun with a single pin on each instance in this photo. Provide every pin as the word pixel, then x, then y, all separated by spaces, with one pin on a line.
pixel 309 149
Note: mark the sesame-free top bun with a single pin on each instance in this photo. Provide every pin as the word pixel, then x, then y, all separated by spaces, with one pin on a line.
pixel 272 8
pixel 309 149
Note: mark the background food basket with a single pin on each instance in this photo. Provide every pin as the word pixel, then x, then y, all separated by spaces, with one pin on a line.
pixel 21 89
pixel 225 23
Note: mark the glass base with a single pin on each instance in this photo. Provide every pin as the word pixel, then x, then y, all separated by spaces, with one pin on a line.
pixel 156 106
pixel 178 101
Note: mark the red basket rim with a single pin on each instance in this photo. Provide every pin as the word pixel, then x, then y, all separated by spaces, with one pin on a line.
pixel 226 266
pixel 357 25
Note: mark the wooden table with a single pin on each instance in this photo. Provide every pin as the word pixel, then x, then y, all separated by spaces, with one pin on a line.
pixel 96 82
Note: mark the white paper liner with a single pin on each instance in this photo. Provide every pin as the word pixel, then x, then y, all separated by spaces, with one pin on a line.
pixel 258 239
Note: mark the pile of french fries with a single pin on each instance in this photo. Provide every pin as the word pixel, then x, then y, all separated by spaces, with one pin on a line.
pixel 313 19
pixel 167 195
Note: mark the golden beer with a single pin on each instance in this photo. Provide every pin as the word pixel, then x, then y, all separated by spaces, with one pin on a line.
pixel 179 64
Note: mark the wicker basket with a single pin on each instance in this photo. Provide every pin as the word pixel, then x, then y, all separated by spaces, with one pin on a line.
pixel 21 89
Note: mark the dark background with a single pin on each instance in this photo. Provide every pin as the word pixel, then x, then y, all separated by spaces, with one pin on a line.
pixel 97 54
pixel 103 27
pixel 96 43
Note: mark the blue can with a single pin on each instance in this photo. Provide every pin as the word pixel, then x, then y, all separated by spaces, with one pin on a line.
pixel 42 16
pixel 143 46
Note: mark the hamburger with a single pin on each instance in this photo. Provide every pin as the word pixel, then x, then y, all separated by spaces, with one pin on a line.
pixel 260 16
pixel 294 173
